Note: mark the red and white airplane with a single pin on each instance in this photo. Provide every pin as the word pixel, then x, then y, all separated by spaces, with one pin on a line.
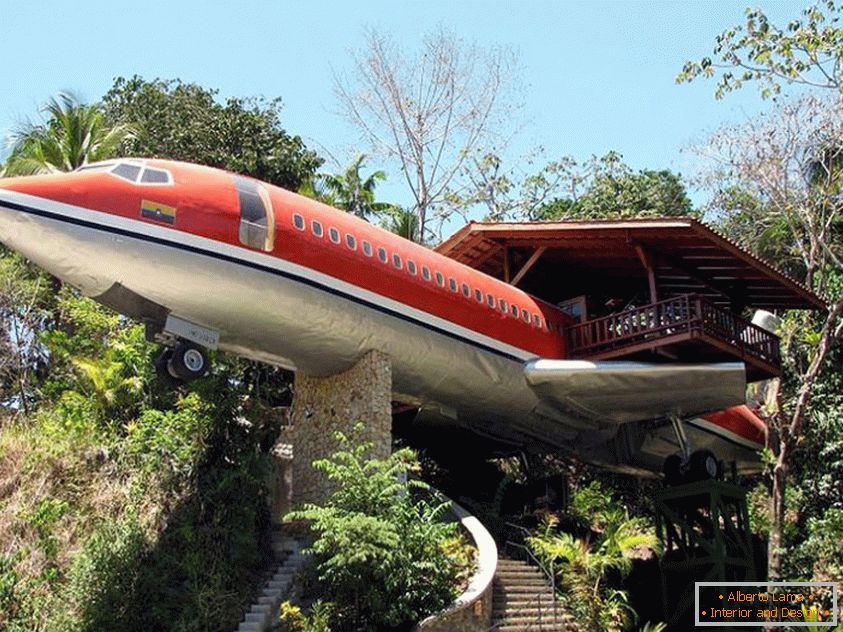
pixel 208 259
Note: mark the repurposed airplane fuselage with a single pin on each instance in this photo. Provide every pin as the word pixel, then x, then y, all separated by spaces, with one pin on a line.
pixel 290 281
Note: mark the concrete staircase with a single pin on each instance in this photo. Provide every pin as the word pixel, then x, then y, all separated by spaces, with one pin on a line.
pixel 263 615
pixel 523 601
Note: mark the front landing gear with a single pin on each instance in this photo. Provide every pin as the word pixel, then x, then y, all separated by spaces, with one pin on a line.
pixel 702 465
pixel 687 466
pixel 185 362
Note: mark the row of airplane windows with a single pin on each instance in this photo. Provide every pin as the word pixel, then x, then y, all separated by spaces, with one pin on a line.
pixel 351 243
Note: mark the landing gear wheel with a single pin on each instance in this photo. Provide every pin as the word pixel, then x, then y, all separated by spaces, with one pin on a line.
pixel 703 466
pixel 163 372
pixel 673 470
pixel 188 362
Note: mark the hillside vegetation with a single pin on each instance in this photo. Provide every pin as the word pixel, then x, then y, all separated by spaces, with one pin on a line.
pixel 124 505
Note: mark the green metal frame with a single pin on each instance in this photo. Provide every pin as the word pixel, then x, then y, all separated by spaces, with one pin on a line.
pixel 704 529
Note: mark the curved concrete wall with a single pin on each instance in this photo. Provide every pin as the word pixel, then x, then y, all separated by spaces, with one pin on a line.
pixel 472 611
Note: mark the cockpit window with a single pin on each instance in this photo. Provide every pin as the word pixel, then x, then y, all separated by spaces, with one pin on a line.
pixel 257 221
pixel 155 176
pixel 132 170
pixel 127 171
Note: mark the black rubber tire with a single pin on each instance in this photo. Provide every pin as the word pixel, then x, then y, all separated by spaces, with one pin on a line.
pixel 162 370
pixel 704 466
pixel 673 470
pixel 188 361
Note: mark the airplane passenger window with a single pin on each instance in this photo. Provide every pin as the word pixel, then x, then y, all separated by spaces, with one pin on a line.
pixel 537 321
pixel 478 295
pixel 515 311
pixel 452 282
pixel 298 221
pixel 426 273
pixel 127 171
pixel 466 290
pixel 440 279
pixel 396 261
pixel 334 235
pixel 382 255
pixel 525 315
pixel 503 305
pixel 411 267
pixel 316 227
pixel 367 248
pixel 491 300
pixel 155 176
pixel 351 242
pixel 257 221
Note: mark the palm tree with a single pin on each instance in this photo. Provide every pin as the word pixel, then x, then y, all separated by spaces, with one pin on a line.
pixel 402 222
pixel 74 134
pixel 348 190
pixel 585 567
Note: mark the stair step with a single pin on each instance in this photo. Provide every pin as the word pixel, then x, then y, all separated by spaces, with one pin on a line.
pixel 521 581
pixel 544 627
pixel 535 588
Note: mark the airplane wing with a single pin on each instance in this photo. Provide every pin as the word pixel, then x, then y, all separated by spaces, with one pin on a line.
pixel 619 392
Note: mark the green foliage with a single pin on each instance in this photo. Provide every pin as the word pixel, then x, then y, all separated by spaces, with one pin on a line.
pixel 318 620
pixel 102 575
pixel 26 307
pixel 43 520
pixel 806 51
pixel 184 121
pixel 402 222
pixel 73 135
pixel 384 557
pixel 349 190
pixel 174 440
pixel 607 188
pixel 598 188
pixel 588 569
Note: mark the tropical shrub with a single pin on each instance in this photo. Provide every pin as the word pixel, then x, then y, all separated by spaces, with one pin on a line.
pixel 590 569
pixel 384 555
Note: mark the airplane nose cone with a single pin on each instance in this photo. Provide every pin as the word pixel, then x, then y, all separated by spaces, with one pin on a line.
pixel 51 186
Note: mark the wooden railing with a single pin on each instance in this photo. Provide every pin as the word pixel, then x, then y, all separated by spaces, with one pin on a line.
pixel 686 314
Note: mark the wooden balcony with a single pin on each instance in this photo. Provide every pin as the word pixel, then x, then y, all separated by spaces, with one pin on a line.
pixel 686 328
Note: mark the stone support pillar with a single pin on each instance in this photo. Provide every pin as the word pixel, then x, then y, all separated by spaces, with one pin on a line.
pixel 324 405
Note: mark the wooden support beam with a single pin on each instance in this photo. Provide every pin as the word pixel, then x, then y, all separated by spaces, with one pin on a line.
pixel 506 264
pixel 698 276
pixel 529 264
pixel 647 262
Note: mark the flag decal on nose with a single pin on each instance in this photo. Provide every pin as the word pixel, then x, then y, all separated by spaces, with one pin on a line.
pixel 158 212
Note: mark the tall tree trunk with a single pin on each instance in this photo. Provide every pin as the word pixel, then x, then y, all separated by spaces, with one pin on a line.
pixel 775 545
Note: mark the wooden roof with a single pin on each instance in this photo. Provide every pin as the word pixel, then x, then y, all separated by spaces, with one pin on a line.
pixel 688 258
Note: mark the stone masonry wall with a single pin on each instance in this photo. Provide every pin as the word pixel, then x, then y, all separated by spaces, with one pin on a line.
pixel 323 405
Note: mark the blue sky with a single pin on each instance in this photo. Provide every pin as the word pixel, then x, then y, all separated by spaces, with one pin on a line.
pixel 596 75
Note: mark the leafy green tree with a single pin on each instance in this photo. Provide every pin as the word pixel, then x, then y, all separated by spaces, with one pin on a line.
pixel 598 188
pixel 607 188
pixel 382 553
pixel 184 121
pixel 509 193
pixel 73 135
pixel 807 52
pixel 785 167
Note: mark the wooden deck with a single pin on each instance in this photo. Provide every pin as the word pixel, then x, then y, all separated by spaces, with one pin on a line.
pixel 684 328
